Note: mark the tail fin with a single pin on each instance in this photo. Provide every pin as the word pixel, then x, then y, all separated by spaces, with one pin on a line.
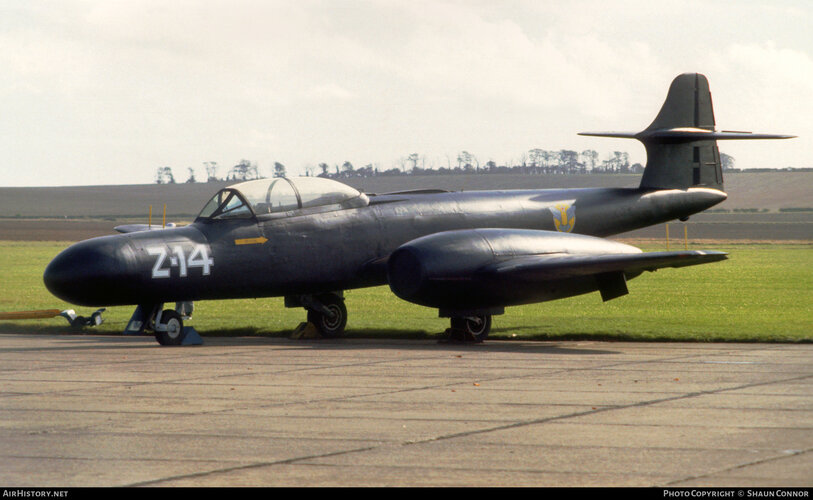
pixel 681 143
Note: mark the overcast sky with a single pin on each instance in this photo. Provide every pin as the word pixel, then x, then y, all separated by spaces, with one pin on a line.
pixel 106 92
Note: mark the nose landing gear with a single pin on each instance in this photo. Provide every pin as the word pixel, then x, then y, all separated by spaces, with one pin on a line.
pixel 169 331
pixel 167 324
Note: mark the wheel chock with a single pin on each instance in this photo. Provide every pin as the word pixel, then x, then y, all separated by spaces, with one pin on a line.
pixel 191 336
pixel 306 330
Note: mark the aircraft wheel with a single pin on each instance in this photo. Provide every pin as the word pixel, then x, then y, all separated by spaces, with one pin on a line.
pixel 173 323
pixel 330 326
pixel 474 328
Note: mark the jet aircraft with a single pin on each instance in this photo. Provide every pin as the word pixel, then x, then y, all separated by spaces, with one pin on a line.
pixel 468 254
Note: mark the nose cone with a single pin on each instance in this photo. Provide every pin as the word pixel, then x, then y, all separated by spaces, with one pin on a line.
pixel 92 272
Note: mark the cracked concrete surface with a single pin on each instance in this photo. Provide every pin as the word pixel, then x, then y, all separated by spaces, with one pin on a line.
pixel 122 411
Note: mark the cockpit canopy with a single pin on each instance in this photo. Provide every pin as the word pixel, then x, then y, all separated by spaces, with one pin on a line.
pixel 277 197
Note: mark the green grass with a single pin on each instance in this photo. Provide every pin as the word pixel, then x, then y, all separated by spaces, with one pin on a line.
pixel 763 293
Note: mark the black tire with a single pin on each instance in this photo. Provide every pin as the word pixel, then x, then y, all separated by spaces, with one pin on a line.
pixel 474 328
pixel 173 323
pixel 330 326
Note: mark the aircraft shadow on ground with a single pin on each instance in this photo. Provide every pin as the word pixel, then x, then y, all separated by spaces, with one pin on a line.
pixel 353 339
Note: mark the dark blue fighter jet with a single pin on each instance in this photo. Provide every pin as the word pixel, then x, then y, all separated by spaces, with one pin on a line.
pixel 467 254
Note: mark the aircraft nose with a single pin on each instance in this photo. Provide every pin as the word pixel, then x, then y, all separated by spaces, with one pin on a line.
pixel 89 273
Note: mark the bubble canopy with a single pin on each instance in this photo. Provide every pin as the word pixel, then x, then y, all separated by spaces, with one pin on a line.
pixel 271 198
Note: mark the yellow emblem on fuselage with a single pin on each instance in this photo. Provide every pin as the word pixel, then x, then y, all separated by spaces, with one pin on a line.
pixel 564 217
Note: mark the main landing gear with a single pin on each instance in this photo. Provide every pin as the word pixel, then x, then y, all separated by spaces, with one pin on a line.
pixel 326 312
pixel 470 328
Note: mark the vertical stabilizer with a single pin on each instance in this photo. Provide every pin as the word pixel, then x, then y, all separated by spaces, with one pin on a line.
pixel 682 164
pixel 688 104
pixel 681 143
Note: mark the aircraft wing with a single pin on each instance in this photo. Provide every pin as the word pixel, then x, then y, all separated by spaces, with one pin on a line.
pixel 559 266
pixel 486 268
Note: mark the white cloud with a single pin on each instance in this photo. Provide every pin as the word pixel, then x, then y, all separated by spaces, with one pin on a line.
pixel 132 85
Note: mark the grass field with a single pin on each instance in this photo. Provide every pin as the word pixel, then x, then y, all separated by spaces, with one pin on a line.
pixel 762 293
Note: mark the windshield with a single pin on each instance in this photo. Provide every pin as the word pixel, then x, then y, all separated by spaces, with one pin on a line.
pixel 226 204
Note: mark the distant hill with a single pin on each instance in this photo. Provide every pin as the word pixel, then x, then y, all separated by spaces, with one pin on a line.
pixel 763 190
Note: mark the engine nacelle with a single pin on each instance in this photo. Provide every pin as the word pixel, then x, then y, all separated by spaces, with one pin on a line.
pixel 451 270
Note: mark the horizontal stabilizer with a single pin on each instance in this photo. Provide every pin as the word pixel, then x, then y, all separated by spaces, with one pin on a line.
pixel 619 135
pixel 698 134
pixel 685 134
pixel 561 266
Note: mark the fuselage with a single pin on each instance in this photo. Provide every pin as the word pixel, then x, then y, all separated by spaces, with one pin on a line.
pixel 309 253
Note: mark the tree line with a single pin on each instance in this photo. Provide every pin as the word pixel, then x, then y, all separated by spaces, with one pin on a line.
pixel 534 162
pixel 245 170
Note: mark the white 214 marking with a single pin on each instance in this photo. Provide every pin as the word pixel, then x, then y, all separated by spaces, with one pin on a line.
pixel 199 257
